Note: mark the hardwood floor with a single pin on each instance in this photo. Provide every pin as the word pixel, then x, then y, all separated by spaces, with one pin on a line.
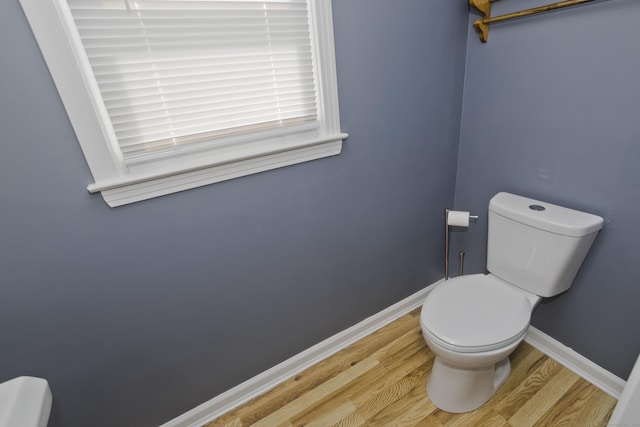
pixel 380 381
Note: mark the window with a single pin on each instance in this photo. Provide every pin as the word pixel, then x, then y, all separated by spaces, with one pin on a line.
pixel 167 95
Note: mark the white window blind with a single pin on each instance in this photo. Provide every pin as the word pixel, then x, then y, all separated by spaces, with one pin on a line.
pixel 169 95
pixel 182 75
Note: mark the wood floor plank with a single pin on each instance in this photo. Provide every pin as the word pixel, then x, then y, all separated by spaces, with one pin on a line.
pixel 409 408
pixel 295 387
pixel 416 312
pixel 413 415
pixel 442 417
pixel 233 422
pixel 596 411
pixel 412 336
pixel 572 402
pixel 316 395
pixel 331 417
pixel 375 386
pixel 374 409
pixel 381 381
pixel 483 416
pixel 515 398
pixel 295 407
pixel 428 421
pixel 396 382
pixel 352 420
pixel 541 402
pixel 524 360
pixel 401 357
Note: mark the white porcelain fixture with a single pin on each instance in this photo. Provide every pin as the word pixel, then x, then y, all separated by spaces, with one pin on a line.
pixel 25 402
pixel 627 411
pixel 472 323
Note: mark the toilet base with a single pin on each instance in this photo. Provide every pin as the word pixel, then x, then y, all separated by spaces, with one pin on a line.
pixel 457 390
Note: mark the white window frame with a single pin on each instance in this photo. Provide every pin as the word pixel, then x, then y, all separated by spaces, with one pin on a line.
pixel 50 21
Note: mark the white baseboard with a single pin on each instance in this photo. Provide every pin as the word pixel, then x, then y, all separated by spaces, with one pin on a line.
pixel 574 361
pixel 267 380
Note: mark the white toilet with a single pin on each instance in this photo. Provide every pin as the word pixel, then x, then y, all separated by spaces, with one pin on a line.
pixel 472 323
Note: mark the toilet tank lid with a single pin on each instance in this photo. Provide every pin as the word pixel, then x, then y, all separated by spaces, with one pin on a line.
pixel 545 216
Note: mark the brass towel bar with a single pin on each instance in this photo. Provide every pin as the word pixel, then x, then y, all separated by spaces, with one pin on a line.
pixel 484 6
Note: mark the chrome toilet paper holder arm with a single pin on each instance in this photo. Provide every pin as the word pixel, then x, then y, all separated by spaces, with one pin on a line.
pixel 446 245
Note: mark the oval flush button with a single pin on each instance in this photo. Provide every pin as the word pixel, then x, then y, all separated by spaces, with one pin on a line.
pixel 536 207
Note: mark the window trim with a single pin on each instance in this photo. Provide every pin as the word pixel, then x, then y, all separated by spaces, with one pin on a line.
pixel 120 185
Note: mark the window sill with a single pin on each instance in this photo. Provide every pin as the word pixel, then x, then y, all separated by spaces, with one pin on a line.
pixel 137 188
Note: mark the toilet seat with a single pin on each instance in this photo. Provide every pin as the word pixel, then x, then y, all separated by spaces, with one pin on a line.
pixel 475 313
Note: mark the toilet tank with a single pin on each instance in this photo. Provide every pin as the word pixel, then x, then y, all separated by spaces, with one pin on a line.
pixel 535 245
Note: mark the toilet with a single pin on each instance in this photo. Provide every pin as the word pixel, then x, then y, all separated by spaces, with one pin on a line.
pixel 473 323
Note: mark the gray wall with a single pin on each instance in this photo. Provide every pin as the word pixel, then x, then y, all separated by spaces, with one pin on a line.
pixel 552 111
pixel 140 313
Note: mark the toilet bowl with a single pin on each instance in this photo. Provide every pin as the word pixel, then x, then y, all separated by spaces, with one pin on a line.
pixel 473 323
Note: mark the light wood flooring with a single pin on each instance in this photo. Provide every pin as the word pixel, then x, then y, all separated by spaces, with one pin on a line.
pixel 380 381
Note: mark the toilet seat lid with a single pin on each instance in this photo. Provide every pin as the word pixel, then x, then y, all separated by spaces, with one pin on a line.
pixel 477 311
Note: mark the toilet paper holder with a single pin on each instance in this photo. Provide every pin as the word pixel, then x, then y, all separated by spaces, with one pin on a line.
pixel 446 241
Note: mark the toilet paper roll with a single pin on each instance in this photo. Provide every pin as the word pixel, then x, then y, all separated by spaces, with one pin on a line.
pixel 458 218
